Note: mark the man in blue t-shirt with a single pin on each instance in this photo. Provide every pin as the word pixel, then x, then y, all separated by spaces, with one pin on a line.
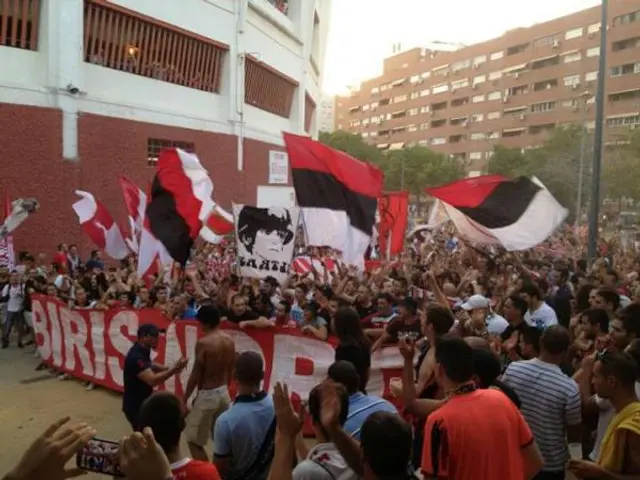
pixel 244 435
pixel 141 374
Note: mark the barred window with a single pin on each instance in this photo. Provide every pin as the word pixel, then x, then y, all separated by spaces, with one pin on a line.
pixel 155 146
pixel 19 22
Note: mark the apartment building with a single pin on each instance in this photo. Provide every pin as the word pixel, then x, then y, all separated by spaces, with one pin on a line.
pixel 511 90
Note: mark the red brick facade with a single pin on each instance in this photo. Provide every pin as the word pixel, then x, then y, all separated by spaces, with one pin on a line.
pixel 32 166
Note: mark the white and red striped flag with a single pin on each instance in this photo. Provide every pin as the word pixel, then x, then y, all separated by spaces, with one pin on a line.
pixel 7 253
pixel 99 225
pixel 136 202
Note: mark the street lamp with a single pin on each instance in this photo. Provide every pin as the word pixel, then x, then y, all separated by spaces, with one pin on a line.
pixel 592 246
pixel 584 96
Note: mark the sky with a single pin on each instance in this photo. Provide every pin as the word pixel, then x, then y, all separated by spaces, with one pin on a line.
pixel 362 32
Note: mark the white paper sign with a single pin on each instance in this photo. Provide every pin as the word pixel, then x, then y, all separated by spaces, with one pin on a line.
pixel 265 240
pixel 278 167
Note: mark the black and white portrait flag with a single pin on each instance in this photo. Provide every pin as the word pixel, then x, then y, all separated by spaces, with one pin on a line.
pixel 265 240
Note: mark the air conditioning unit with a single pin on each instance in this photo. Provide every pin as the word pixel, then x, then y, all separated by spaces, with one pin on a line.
pixel 420 80
pixel 505 99
pixel 465 124
pixel 476 66
pixel 523 116
pixel 516 75
pixel 555 44
pixel 474 86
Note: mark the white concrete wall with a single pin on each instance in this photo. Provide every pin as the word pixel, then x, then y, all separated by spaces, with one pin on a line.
pixel 283 42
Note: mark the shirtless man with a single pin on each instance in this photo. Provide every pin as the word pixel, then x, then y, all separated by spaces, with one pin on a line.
pixel 215 357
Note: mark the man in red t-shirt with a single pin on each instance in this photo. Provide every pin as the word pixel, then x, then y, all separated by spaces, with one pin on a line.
pixel 163 412
pixel 60 258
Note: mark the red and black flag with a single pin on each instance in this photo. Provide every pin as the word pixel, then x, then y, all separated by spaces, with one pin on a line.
pixel 516 213
pixel 179 202
pixel 337 194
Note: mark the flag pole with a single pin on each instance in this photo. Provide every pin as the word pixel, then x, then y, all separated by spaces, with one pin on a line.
pixel 592 246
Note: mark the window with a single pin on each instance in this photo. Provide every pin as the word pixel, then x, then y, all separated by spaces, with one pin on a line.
pixel 440 71
pixel 461 65
pixel 475 156
pixel 20 28
pixel 412 111
pixel 593 52
pixel 591 76
pixel 627 18
pixel 438 141
pixel 414 79
pixel 477 117
pixel 425 92
pixel 399 98
pixel 443 87
pixel 438 123
pixel 575 33
pixel 365 134
pixel 477 99
pixel 424 109
pixel 457 138
pixel 129 43
pixel 496 55
pixel 545 85
pixel 399 114
pixel 365 107
pixel 458 102
pixel 545 62
pixel 375 91
pixel 412 128
pixel 543 107
pixel 625 44
pixel 573 57
pixel 458 121
pixel 493 115
pixel 623 121
pixel 494 96
pixel 593 28
pixel 425 75
pixel 414 95
pixel 155 146
pixel 478 136
pixel 517 49
pixel 480 60
pixel 571 80
pixel 424 126
pixel 460 84
pixel 495 75
pixel 438 106
pixel 374 105
pixel 627 69
pixel 493 135
pixel 423 143
pixel 546 41
pixel 570 103
pixel 622 96
pixel 365 122
pixel 513 132
pixel 479 79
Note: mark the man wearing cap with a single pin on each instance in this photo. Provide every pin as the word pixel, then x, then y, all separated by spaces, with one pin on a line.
pixel 141 374
pixel 477 306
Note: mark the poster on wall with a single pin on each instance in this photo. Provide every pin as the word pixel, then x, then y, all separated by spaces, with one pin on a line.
pixel 278 167
pixel 265 240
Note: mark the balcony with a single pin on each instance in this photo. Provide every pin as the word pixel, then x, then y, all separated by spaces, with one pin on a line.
pixel 116 38
pixel 19 20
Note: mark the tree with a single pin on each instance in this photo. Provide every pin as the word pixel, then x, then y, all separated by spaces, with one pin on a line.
pixel 621 169
pixel 352 144
pixel 556 163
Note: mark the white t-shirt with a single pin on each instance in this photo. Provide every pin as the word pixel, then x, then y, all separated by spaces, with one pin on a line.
pixel 16 297
pixel 323 462
pixel 543 317
pixel 604 419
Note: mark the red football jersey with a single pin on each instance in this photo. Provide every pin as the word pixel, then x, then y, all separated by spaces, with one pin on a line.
pixel 189 469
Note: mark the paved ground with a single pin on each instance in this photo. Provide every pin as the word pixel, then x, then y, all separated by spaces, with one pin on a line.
pixel 32 400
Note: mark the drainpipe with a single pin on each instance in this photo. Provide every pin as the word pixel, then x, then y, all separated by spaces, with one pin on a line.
pixel 239 65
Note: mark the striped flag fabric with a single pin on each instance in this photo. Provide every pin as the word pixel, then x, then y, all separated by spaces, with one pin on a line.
pixel 135 201
pixel 516 213
pixel 337 195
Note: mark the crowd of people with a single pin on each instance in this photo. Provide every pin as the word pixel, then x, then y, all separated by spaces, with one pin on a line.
pixel 515 365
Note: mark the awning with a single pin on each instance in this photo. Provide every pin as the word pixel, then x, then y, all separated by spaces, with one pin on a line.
pixel 396 146
pixel 512 130
pixel 624 91
pixel 515 109
pixel 544 58
pixel 382 145
pixel 441 67
pixel 515 68
pixel 623 115
pixel 400 81
pixel 570 52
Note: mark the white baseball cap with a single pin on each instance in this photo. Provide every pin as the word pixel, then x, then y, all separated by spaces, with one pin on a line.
pixel 475 301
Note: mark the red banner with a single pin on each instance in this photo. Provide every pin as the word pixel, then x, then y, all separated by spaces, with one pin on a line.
pixel 393 210
pixel 92 344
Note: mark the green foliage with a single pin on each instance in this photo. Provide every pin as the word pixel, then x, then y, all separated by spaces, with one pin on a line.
pixel 412 168
pixel 621 172
pixel 556 163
